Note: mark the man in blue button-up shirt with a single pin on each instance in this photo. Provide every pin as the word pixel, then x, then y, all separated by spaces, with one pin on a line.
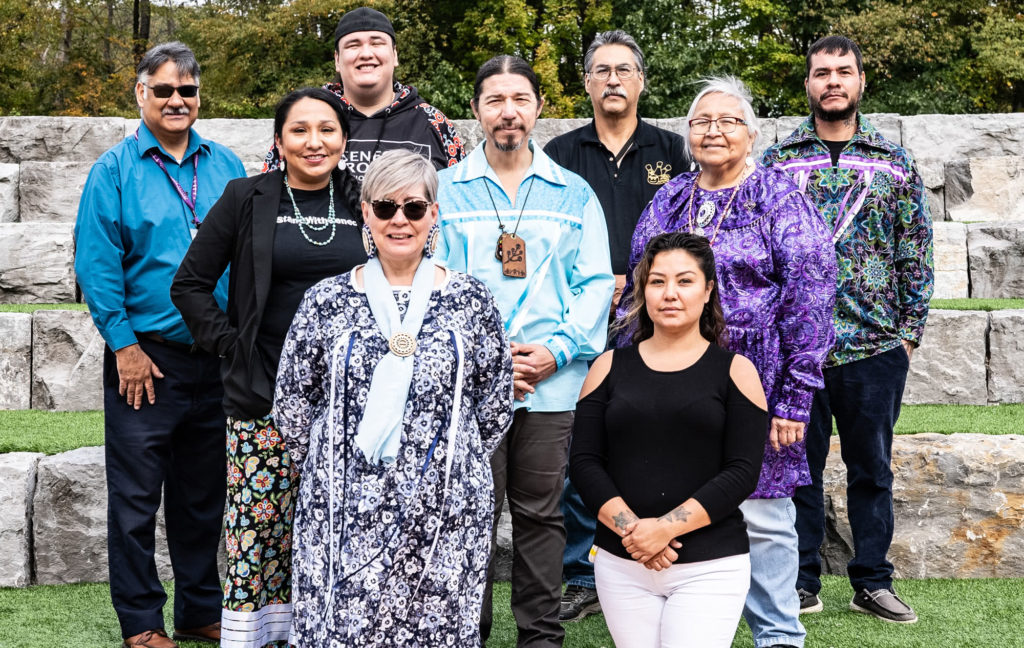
pixel 555 310
pixel 140 209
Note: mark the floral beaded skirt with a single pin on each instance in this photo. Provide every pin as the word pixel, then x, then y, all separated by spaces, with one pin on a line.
pixel 261 504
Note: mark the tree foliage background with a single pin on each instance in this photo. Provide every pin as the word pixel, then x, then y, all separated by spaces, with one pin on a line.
pixel 77 57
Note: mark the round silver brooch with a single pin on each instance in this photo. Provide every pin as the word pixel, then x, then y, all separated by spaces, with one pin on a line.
pixel 402 345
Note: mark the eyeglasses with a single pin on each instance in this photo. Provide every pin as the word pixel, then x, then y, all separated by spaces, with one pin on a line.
pixel 701 125
pixel 165 90
pixel 413 209
pixel 624 71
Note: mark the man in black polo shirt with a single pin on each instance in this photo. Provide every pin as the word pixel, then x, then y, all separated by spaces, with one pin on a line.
pixel 626 161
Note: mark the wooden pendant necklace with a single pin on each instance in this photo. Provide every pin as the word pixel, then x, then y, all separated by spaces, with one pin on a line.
pixel 511 249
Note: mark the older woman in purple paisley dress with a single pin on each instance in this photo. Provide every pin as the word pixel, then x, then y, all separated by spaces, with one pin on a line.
pixel 776 272
pixel 393 515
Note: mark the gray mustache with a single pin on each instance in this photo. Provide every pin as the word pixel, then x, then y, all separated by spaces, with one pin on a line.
pixel 182 110
pixel 617 92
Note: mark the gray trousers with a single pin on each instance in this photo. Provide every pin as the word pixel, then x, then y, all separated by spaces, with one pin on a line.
pixel 529 467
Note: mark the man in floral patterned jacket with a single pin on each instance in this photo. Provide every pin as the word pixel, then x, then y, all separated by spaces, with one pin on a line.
pixel 872 196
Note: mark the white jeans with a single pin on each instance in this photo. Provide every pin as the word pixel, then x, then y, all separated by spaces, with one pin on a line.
pixel 689 605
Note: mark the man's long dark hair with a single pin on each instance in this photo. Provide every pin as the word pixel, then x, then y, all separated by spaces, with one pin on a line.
pixel 712 321
pixel 347 182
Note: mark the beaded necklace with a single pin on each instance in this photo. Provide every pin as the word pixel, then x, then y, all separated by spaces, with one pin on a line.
pixel 304 223
pixel 699 229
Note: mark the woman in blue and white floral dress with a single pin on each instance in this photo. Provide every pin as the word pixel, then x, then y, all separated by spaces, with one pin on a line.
pixel 395 386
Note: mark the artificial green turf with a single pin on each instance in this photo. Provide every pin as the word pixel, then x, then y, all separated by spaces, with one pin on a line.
pixel 977 304
pixel 31 308
pixel 53 432
pixel 951 419
pixel 49 432
pixel 953 613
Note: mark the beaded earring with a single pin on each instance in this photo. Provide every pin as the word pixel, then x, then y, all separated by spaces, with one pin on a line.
pixel 371 249
pixel 433 236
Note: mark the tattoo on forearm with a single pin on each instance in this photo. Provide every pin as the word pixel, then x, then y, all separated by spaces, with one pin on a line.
pixel 678 514
pixel 624 519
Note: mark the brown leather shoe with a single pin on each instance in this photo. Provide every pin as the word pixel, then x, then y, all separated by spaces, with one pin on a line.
pixel 150 639
pixel 209 634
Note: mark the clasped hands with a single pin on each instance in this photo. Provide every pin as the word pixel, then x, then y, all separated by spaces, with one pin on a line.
pixel 651 542
pixel 531 363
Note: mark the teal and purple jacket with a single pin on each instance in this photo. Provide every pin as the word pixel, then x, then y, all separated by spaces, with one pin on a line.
pixel 875 206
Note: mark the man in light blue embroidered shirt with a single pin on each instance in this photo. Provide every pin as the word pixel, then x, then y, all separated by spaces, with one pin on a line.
pixel 553 285
pixel 164 426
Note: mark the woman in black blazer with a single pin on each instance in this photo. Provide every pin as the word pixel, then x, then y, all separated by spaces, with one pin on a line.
pixel 281 232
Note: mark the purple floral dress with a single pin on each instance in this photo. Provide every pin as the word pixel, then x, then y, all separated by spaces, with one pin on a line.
pixel 776 276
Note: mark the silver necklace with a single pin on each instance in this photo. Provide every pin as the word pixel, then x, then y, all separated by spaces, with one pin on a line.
pixel 303 223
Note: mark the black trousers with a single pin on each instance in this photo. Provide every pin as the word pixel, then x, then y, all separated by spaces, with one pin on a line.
pixel 175 445
pixel 864 398
pixel 529 466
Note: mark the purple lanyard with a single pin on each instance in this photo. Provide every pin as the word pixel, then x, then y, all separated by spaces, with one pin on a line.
pixel 190 203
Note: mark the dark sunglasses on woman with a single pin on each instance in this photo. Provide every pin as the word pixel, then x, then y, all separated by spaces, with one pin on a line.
pixel 413 209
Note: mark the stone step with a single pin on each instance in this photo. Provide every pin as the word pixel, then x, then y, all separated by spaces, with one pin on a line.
pixel 958 503
pixel 53 360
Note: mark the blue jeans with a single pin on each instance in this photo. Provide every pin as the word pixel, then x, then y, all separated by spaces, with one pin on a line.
pixel 579 537
pixel 864 397
pixel 772 609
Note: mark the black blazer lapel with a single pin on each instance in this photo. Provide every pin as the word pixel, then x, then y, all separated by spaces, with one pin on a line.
pixel 265 201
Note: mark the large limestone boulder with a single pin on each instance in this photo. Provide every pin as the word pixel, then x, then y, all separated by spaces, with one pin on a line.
pixel 36 263
pixel 950 255
pixel 17 485
pixel 548 129
pixel 1006 357
pixel 15 362
pixel 470 132
pixel 958 502
pixel 933 175
pixel 949 366
pixel 250 139
pixel 58 138
pixel 67 361
pixel 50 191
pixel 985 189
pixel 888 124
pixel 9 192
pixel 70 520
pixel 955 137
pixel 996 259
pixel 503 552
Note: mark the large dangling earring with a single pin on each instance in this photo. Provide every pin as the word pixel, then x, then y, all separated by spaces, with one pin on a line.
pixel 433 236
pixel 750 161
pixel 371 249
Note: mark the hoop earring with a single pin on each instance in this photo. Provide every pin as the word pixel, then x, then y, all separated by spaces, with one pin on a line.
pixel 371 249
pixel 433 236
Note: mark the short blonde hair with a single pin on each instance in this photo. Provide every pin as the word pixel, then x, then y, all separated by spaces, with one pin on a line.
pixel 396 170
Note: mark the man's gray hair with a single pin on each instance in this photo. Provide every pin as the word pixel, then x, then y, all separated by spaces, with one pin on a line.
pixel 615 37
pixel 731 87
pixel 396 170
pixel 175 51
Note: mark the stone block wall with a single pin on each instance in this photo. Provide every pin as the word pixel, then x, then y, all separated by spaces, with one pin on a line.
pixel 972 167
pixel 959 508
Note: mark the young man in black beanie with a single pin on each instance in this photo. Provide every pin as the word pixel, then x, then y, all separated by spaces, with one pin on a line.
pixel 384 113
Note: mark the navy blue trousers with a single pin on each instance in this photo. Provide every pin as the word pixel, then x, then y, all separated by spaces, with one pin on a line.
pixel 175 445
pixel 864 398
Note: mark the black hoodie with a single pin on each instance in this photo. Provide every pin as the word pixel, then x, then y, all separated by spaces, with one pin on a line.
pixel 409 123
